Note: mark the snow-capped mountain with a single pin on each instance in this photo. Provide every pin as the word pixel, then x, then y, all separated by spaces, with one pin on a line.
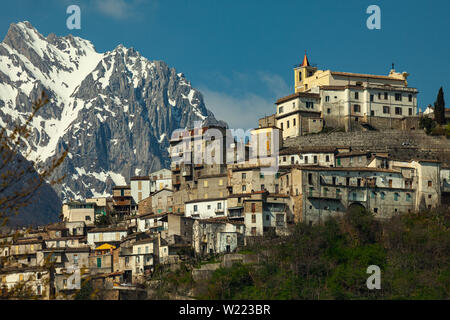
pixel 114 110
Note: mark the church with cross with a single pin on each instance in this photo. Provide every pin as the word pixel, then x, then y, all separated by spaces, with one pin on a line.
pixel 347 100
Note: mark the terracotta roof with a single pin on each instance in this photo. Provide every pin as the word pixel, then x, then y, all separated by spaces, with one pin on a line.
pixel 352 153
pixel 121 187
pixel 56 226
pixel 144 241
pixel 364 169
pixel 298 95
pixel 207 176
pixel 361 75
pixel 222 220
pixel 166 189
pixel 206 200
pixel 152 215
pixel 136 178
pixel 113 229
pixel 305 62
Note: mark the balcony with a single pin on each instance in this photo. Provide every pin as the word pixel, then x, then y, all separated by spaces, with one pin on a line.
pixel 121 203
pixel 236 212
pixel 187 171
pixel 331 195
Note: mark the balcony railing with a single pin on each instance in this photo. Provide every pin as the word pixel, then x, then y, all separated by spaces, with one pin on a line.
pixel 325 195
pixel 122 202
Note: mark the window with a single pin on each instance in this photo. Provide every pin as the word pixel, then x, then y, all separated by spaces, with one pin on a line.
pixel 254 231
pixel 287 124
pixel 267 217
pixel 205 183
pixel 386 109
pixel 99 262
pixel 382 194
pixel 385 96
pixel 327 158
pixel 209 207
pixel 280 110
pixel 244 175
pixel 398 97
pixel 299 76
pixel 430 183
pixel 292 160
pixel 375 210
pixel 281 125
pixel 410 97
pixel 293 122
pixel 221 182
pixel 310 178
pixel 315 159
pixel 356 108
pixel 356 95
pixel 396 196
pixel 195 208
pixel 398 110
pixel 244 188
pixel 219 205
pixel 253 207
pixel 253 218
pixel 306 159
pixel 371 98
pixel 139 185
pixel 408 197
pixel 339 161
pixel 87 218
pixel 75 259
pixel 262 187
pixel 309 104
pixel 328 110
pixel 327 99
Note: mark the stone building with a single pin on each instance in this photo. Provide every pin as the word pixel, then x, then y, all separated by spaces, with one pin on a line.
pixel 217 235
pixel 353 101
pixel 319 192
pixel 265 214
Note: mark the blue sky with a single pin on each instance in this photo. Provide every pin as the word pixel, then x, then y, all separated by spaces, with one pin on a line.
pixel 240 54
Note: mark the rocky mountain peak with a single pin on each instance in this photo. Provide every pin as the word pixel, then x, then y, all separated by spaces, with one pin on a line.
pixel 115 110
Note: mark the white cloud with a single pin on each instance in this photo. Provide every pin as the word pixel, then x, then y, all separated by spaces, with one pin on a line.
pixel 117 9
pixel 243 110
pixel 240 111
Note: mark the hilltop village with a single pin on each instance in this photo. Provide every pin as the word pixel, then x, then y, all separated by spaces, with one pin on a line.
pixel 340 141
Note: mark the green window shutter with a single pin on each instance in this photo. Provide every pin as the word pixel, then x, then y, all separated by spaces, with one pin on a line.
pixel 99 262
pixel 338 162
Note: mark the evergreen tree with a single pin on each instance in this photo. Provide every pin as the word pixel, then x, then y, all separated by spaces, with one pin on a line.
pixel 439 108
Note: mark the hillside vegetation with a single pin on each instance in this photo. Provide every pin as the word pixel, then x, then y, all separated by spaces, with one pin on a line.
pixel 330 261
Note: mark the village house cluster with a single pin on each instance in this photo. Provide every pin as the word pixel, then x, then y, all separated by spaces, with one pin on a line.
pixel 217 206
